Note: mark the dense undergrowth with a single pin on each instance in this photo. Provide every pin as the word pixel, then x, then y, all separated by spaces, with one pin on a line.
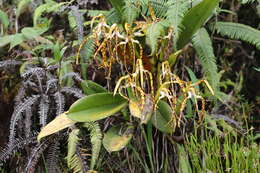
pixel 130 86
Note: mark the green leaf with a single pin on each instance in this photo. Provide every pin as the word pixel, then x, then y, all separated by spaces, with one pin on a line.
pixel 238 31
pixel 16 40
pixel 5 40
pixel 161 119
pixel 130 12
pixel 114 141
pixel 22 5
pixel 4 19
pixel 176 13
pixel 118 5
pixel 203 46
pixel 194 19
pixel 154 31
pixel 184 165
pixel 59 123
pixel 30 33
pixel 89 87
pixel 50 6
pixel 95 107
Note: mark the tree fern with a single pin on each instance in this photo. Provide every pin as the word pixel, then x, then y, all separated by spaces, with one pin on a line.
pixel 95 137
pixel 203 46
pixel 238 31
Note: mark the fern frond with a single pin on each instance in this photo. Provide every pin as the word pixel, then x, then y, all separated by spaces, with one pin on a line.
pixel 17 115
pixel 52 83
pixel 74 75
pixel 238 31
pixel 203 46
pixel 52 67
pixel 248 1
pixel 79 20
pixel 33 71
pixel 9 63
pixel 74 162
pixel 72 91
pixel 43 109
pixel 18 143
pixel 53 157
pixel 36 154
pixel 175 14
pixel 95 137
pixel 60 102
pixel 154 31
pixel 20 95
pixel 159 7
pixel 28 121
pixel 130 12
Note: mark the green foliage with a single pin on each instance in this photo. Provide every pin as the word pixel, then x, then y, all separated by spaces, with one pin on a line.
pixel 73 161
pixel 115 140
pixel 22 6
pixel 27 33
pixel 95 107
pixel 194 19
pixel 4 19
pixel 161 119
pixel 154 31
pixel 89 87
pixel 203 46
pixel 95 138
pixel 175 15
pixel 238 31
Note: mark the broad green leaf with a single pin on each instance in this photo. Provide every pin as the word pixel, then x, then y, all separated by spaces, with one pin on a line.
pixel 194 19
pixel 59 123
pixel 89 87
pixel 4 19
pixel 95 107
pixel 114 141
pixel 161 119
pixel 16 40
pixel 5 40
pixel 30 33
pixel 22 5
pixel 154 31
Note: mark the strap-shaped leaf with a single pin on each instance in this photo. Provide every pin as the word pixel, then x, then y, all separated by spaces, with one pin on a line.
pixel 161 119
pixel 194 19
pixel 95 107
pixel 59 123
